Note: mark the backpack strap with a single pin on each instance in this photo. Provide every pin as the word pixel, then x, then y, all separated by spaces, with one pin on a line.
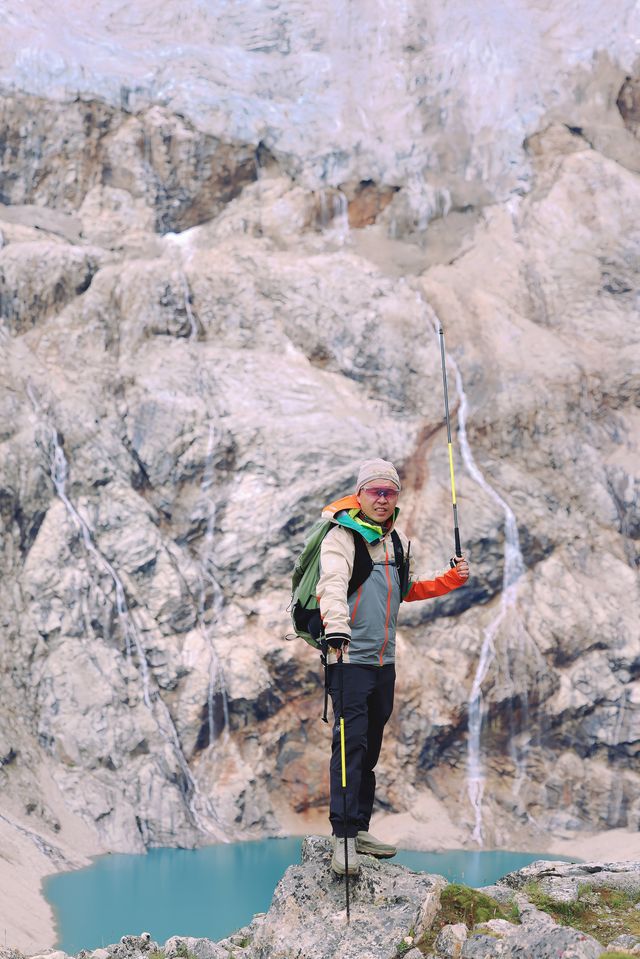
pixel 402 562
pixel 362 564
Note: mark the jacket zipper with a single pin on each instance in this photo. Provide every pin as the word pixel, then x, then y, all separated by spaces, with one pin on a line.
pixel 388 616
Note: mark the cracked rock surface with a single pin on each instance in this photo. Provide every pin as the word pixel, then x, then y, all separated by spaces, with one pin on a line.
pixel 217 296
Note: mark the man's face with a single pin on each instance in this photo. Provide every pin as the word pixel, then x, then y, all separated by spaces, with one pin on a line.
pixel 378 500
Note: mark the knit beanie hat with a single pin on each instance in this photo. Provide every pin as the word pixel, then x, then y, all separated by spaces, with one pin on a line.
pixel 377 470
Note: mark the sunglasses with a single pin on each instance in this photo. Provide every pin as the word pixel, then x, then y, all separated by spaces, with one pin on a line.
pixel 380 492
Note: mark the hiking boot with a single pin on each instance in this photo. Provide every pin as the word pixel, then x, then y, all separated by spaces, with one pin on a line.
pixel 368 845
pixel 337 862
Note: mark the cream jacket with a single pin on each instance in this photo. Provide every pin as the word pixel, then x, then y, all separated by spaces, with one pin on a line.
pixel 369 616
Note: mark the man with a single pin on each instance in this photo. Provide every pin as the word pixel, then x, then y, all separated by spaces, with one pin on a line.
pixel 359 627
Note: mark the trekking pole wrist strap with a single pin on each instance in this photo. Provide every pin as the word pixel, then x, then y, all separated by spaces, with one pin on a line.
pixel 337 640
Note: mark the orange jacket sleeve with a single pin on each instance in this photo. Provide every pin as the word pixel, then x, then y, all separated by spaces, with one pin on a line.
pixel 428 588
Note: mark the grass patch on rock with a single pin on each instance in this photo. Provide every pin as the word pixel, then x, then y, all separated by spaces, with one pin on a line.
pixel 600 911
pixel 460 903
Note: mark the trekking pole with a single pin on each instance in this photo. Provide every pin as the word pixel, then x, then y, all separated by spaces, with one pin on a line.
pixel 343 762
pixel 456 531
pixel 324 659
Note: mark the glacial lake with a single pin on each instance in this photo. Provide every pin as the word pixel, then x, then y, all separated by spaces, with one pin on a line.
pixel 213 891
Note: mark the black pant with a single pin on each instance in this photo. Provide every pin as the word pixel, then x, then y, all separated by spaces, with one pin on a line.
pixel 367 695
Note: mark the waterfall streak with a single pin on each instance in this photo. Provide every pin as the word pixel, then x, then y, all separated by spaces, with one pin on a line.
pixel 193 327
pixel 217 683
pixel 513 568
pixel 59 472
pixel 334 214
pixel 59 475
pixel 513 562
pixel 616 795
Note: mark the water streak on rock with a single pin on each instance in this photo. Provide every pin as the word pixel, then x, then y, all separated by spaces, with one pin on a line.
pixel 59 473
pixel 193 327
pixel 217 682
pixel 512 571
pixel 333 214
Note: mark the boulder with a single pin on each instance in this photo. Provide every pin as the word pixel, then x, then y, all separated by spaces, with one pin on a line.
pixel 308 913
pixel 561 880
pixel 450 940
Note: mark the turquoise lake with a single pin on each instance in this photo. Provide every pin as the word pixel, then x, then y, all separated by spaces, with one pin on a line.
pixel 213 891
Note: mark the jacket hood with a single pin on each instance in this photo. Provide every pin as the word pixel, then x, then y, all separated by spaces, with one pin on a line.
pixel 347 502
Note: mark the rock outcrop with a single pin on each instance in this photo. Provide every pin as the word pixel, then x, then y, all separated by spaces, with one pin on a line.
pixel 62 156
pixel 396 912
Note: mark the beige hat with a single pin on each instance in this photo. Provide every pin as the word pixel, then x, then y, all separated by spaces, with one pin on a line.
pixel 377 470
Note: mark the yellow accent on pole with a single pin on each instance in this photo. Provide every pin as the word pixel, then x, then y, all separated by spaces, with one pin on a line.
pixel 453 482
pixel 343 755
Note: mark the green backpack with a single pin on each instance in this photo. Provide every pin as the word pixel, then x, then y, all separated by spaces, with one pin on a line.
pixel 305 614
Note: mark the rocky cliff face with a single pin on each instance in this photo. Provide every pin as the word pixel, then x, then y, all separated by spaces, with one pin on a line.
pixel 217 296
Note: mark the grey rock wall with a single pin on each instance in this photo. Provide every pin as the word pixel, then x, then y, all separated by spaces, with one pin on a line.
pixel 197 349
